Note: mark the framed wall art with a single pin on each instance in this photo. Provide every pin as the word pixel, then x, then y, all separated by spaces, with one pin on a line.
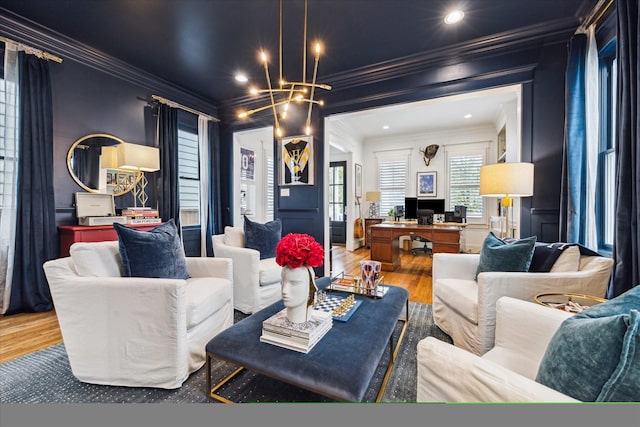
pixel 426 186
pixel 358 180
pixel 296 160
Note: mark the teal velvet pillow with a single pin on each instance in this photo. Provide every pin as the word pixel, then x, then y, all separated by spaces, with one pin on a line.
pixel 262 237
pixel 154 253
pixel 595 355
pixel 496 255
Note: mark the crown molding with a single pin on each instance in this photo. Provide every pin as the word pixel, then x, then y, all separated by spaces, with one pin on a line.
pixel 25 31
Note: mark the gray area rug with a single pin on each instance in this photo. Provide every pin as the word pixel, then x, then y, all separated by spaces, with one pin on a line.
pixel 45 377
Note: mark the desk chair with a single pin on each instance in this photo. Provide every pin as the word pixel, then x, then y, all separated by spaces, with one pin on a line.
pixel 425 248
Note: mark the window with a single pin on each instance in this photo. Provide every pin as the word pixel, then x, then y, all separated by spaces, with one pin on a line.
pixel 464 183
pixel 392 176
pixel 336 191
pixel 269 185
pixel 188 175
pixel 8 137
pixel 605 202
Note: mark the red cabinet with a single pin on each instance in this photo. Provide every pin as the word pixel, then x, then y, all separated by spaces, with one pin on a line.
pixel 70 234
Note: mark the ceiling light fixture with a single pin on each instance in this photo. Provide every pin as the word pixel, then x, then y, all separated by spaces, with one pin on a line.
pixel 282 94
pixel 385 127
pixel 453 17
pixel 467 116
pixel 242 78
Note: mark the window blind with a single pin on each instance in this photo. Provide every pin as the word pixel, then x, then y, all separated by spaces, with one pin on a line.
pixel 392 182
pixel 188 177
pixel 464 183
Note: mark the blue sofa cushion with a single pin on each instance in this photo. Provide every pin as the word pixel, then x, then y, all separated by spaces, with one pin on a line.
pixel 262 237
pixel 154 253
pixel 497 255
pixel 595 355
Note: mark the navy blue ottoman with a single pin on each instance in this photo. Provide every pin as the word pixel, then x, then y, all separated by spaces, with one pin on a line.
pixel 340 366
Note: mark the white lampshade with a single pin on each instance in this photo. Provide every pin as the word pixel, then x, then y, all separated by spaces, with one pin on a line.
pixel 506 180
pixel 372 196
pixel 138 157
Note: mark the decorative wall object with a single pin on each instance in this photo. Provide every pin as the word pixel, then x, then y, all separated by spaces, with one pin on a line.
pixel 296 160
pixel 358 181
pixel 429 153
pixel 426 186
pixel 247 164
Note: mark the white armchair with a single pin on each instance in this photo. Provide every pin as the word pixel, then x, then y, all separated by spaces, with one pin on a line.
pixel 464 307
pixel 138 332
pixel 504 374
pixel 256 282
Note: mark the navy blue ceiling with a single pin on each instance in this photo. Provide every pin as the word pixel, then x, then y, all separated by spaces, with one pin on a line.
pixel 200 44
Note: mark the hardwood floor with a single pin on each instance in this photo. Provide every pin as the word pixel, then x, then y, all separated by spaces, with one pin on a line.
pixel 25 333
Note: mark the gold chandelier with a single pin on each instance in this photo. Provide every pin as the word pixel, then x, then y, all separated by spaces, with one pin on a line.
pixel 285 92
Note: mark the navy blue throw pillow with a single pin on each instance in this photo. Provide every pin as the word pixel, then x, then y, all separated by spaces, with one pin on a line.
pixel 262 237
pixel 154 253
pixel 496 255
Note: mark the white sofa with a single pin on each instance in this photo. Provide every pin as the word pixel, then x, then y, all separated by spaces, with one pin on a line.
pixel 256 282
pixel 139 332
pixel 506 373
pixel 464 307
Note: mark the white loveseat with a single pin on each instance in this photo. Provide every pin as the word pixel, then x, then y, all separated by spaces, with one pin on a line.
pixel 505 373
pixel 464 307
pixel 256 282
pixel 131 331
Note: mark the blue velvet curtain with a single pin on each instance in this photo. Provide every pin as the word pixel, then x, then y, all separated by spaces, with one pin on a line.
pixel 573 200
pixel 626 252
pixel 168 190
pixel 36 236
pixel 214 223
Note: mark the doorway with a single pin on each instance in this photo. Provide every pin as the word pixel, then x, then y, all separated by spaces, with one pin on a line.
pixel 338 202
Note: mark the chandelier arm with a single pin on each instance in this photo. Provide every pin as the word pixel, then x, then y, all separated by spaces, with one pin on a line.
pixel 313 87
pixel 280 44
pixel 273 104
pixel 318 85
pixel 304 45
pixel 257 110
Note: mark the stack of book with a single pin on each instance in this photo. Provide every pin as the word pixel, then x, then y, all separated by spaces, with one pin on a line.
pixel 278 330
pixel 141 215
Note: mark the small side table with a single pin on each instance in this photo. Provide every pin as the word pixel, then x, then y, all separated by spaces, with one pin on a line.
pixel 573 303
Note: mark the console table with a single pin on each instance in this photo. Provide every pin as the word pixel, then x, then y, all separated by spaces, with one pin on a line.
pixel 385 246
pixel 70 234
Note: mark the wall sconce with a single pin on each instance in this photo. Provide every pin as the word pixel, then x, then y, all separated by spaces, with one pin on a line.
pixel 141 159
pixel 373 197
pixel 506 180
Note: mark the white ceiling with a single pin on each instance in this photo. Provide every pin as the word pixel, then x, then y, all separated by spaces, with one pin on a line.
pixel 430 115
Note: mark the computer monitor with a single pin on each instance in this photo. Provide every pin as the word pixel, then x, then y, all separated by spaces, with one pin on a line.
pixel 437 205
pixel 425 216
pixel 410 207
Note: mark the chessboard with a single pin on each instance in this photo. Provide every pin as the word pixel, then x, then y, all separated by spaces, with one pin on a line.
pixel 330 303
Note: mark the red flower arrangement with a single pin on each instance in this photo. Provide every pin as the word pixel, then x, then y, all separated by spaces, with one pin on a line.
pixel 295 250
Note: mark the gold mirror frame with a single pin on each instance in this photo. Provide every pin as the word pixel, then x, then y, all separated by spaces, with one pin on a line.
pixel 120 188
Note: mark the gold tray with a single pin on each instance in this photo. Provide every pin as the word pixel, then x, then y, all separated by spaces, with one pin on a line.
pixel 351 284
pixel 573 303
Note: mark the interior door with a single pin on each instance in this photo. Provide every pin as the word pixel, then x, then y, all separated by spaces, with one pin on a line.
pixel 338 202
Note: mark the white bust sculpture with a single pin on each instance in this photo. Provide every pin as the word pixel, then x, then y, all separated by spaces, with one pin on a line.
pixel 298 292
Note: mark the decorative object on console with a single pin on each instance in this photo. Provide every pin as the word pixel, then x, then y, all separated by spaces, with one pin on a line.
pixel 96 209
pixel 291 91
pixel 141 159
pixel 370 273
pixel 297 253
pixel 429 153
pixel 296 161
pixel 506 180
pixel 262 237
pixel 373 197
pixel 154 253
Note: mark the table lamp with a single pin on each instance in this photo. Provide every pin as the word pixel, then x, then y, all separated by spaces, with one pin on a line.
pixel 139 158
pixel 373 197
pixel 506 180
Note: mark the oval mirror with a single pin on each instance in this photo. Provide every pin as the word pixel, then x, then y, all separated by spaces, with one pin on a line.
pixel 92 163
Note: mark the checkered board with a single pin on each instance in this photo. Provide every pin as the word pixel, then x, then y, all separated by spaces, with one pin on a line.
pixel 333 301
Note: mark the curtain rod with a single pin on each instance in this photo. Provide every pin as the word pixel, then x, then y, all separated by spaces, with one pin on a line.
pixel 32 50
pixel 595 14
pixel 182 107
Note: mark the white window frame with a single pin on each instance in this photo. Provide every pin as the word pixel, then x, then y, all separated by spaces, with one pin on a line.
pixel 401 185
pixel 471 149
pixel 189 212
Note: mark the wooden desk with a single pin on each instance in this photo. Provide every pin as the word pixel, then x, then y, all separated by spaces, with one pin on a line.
pixel 368 222
pixel 70 234
pixel 385 246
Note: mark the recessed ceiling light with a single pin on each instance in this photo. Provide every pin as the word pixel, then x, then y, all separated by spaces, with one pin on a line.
pixel 242 78
pixel 467 116
pixel 385 127
pixel 453 17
